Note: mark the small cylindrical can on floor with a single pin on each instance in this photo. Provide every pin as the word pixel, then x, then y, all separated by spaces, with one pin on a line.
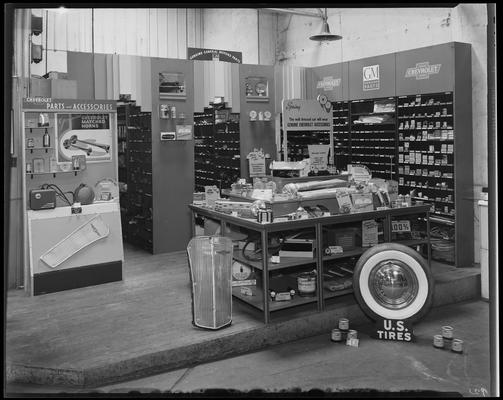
pixel 336 335
pixel 447 332
pixel 352 334
pixel 438 341
pixel 457 346
pixel 343 324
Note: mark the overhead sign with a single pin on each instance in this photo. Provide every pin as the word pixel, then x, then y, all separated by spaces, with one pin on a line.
pixel 68 105
pixel 306 115
pixel 371 80
pixel 328 83
pixel 194 53
pixel 422 70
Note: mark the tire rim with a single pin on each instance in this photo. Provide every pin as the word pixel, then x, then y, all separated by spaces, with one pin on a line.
pixel 393 284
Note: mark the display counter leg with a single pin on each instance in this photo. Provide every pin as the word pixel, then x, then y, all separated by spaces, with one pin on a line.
pixel 429 238
pixel 265 275
pixel 319 266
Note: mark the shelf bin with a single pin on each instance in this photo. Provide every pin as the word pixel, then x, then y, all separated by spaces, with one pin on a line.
pixel 210 261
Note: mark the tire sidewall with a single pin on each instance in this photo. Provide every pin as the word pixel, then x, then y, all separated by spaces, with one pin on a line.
pixel 392 248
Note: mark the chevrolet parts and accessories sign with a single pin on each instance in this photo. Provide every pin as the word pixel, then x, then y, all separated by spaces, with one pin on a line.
pixel 422 70
pixel 328 83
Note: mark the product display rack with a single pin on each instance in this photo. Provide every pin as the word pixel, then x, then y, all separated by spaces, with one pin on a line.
pixel 217 154
pixel 266 271
pixel 427 163
pixel 123 119
pixel 342 139
pixel 373 137
pixel 139 213
pixel 203 149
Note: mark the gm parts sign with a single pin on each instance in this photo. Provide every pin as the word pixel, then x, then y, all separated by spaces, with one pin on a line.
pixel 371 77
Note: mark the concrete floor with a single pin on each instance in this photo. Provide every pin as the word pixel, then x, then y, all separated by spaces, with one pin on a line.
pixel 318 363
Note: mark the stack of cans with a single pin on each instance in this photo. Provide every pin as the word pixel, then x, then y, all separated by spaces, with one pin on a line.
pixel 446 340
pixel 343 333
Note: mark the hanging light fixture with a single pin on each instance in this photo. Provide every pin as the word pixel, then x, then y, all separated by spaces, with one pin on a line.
pixel 325 35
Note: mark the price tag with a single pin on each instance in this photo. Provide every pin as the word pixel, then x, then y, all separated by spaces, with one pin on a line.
pixel 400 226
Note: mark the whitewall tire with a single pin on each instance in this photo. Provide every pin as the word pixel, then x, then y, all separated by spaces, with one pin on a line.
pixel 393 281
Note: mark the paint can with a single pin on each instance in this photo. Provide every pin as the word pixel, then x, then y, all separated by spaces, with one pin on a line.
pixel 343 324
pixel 438 341
pixel 306 283
pixel 457 346
pixel 336 335
pixel 352 334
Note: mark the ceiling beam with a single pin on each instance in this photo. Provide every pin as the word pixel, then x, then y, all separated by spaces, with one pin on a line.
pixel 295 12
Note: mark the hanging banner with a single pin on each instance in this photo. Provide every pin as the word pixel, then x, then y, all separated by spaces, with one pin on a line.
pixel 306 115
pixel 194 53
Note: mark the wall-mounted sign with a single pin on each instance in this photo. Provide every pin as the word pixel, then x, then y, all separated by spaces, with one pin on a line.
pixel 422 70
pixel 391 329
pixel 306 115
pixel 328 83
pixel 256 162
pixel 194 53
pixel 168 135
pixel 68 105
pixel 371 80
pixel 87 135
pixel 183 132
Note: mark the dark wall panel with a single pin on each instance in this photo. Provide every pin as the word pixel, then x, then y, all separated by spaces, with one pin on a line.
pixel 80 68
pixel 256 134
pixel 172 162
pixel 366 82
pixel 425 70
pixel 331 80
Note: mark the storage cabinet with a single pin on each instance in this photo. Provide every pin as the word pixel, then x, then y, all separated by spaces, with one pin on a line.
pixel 217 154
pixel 373 135
pixel 342 142
pixel 428 153
pixel 323 232
pixel 139 223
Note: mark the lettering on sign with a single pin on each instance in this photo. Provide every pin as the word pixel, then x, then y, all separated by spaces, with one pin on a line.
pixel 393 329
pixel 328 83
pixel 400 226
pixel 422 70
pixel 371 78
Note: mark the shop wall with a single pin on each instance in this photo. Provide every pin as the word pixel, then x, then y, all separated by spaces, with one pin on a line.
pixel 256 134
pixel 172 162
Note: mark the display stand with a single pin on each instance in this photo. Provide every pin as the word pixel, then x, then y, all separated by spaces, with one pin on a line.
pixel 320 262
pixel 68 143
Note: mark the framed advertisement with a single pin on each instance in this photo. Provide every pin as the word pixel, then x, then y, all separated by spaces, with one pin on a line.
pixel 87 135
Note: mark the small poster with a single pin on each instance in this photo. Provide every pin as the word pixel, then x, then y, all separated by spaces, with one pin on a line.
pixel 212 195
pixel 256 162
pixel 318 154
pixel 183 132
pixel 369 233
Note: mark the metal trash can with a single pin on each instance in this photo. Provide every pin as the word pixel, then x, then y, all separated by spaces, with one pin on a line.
pixel 210 262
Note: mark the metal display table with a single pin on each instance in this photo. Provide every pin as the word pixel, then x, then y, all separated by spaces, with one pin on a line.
pixel 262 301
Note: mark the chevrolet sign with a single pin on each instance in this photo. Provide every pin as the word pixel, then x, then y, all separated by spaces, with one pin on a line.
pixel 328 83
pixel 422 70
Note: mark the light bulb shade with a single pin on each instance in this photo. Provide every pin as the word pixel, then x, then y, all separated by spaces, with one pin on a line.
pixel 325 34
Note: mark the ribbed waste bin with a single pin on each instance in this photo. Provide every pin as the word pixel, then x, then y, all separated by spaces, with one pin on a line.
pixel 210 262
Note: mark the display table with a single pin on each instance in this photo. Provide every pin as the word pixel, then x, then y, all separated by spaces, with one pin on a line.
pixel 98 262
pixel 262 300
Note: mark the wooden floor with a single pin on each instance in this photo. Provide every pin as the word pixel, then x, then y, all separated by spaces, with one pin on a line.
pixel 143 325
